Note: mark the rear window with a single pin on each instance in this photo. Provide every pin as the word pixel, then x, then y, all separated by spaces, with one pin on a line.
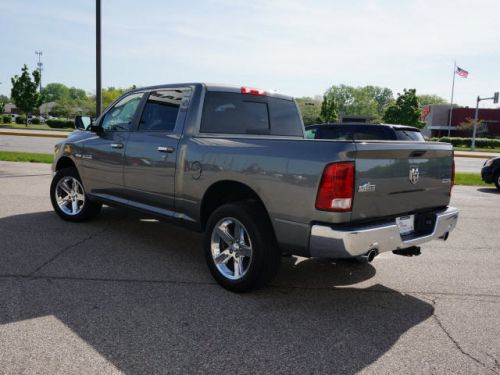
pixel 285 117
pixel 232 113
pixel 409 135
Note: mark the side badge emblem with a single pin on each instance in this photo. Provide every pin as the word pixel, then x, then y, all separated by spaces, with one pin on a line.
pixel 414 175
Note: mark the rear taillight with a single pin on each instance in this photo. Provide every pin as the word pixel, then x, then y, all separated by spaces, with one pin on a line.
pixel 336 188
pixel 452 176
pixel 252 91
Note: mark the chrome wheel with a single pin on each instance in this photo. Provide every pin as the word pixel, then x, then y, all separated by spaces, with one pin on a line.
pixel 231 248
pixel 70 196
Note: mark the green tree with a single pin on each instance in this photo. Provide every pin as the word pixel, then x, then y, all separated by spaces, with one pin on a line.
pixel 110 94
pixel 24 91
pixel 369 101
pixel 54 92
pixel 3 100
pixel 329 109
pixel 63 108
pixel 427 99
pixel 405 111
pixel 310 108
pixel 76 94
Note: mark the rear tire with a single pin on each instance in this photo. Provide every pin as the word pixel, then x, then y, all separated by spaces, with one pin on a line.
pixel 69 199
pixel 240 247
pixel 496 179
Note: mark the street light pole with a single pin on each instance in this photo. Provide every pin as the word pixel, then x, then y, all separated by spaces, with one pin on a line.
pixel 473 145
pixel 495 101
pixel 98 96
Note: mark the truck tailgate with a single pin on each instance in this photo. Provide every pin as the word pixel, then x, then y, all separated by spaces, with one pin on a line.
pixel 398 178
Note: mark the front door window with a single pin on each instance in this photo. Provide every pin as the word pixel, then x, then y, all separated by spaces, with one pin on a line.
pixel 119 118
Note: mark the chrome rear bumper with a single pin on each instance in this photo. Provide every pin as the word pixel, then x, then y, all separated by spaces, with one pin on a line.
pixel 326 241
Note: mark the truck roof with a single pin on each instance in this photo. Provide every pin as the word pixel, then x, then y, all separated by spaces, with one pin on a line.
pixel 212 87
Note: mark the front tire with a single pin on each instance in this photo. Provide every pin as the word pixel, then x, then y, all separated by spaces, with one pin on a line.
pixel 497 180
pixel 69 199
pixel 240 248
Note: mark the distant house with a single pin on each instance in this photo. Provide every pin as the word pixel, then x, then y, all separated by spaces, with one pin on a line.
pixel 45 108
pixel 11 108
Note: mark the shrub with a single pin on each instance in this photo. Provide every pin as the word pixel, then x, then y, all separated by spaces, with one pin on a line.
pixel 467 142
pixel 6 119
pixel 35 121
pixel 58 123
pixel 21 120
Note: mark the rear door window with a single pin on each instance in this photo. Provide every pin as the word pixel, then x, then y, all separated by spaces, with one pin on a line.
pixel 161 110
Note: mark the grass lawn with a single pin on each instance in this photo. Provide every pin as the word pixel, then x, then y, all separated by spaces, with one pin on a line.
pixel 26 157
pixel 470 179
pixel 496 149
pixel 33 127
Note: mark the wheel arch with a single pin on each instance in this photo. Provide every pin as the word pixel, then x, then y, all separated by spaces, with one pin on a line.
pixel 65 162
pixel 228 191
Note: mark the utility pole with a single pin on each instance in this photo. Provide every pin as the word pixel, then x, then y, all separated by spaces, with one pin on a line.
pixel 40 66
pixel 98 89
pixel 495 101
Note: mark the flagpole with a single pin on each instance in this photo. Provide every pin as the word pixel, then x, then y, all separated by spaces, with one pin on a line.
pixel 451 101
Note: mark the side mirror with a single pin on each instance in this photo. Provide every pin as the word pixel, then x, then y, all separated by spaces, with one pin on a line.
pixel 82 122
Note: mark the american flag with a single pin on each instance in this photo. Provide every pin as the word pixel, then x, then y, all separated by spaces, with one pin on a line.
pixel 462 72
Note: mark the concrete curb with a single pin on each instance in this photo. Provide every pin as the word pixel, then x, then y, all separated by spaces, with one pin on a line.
pixel 475 156
pixel 32 134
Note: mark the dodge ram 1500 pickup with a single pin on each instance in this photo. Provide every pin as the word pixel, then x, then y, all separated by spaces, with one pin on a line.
pixel 234 163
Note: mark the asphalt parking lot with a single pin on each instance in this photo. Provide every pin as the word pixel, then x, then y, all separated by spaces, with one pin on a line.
pixel 127 294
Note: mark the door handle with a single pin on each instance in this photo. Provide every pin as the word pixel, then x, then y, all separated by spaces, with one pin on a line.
pixel 166 149
pixel 116 145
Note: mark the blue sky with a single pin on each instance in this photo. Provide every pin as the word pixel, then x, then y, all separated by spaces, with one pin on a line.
pixel 296 47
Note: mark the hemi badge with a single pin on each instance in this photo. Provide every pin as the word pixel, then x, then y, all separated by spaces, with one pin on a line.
pixel 366 188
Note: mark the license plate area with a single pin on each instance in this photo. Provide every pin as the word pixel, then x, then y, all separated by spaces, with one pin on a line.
pixel 406 224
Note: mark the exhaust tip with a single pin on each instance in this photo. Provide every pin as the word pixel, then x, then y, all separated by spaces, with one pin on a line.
pixel 369 256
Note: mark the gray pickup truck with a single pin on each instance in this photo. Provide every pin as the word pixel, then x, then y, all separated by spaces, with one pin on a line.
pixel 234 163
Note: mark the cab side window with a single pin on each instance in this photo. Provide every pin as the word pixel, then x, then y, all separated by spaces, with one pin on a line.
pixel 161 110
pixel 119 118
